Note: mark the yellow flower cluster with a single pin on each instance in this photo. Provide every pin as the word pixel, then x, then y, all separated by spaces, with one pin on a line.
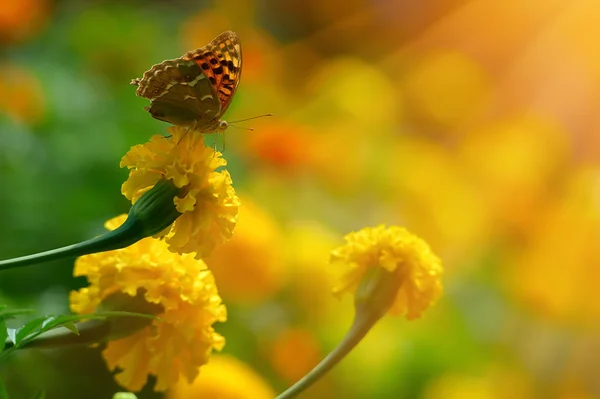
pixel 395 250
pixel 182 339
pixel 209 205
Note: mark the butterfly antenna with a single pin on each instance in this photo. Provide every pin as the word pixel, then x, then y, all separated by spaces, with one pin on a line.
pixel 239 127
pixel 254 117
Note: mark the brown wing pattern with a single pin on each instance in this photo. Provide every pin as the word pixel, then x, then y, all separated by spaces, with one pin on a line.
pixel 180 94
pixel 161 77
pixel 221 62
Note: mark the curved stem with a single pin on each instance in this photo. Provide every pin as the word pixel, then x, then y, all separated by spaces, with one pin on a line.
pixel 122 237
pixel 360 328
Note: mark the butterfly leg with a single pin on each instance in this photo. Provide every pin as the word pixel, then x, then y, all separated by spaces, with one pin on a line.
pixel 223 148
pixel 215 144
pixel 192 126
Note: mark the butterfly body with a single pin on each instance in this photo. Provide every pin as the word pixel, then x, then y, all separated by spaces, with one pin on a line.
pixel 196 89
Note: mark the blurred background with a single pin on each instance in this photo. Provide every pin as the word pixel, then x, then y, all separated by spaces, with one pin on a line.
pixel 472 123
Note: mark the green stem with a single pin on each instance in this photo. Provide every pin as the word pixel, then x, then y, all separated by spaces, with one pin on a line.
pixel 125 235
pixel 151 214
pixel 360 328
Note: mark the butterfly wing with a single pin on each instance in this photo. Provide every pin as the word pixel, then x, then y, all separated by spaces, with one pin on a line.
pixel 196 88
pixel 221 62
pixel 180 93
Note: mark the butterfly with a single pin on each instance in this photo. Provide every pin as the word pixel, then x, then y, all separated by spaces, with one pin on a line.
pixel 196 89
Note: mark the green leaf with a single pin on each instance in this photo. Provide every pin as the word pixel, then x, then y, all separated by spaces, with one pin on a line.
pixel 63 321
pixel 12 334
pixel 39 326
pixel 71 327
pixel 31 327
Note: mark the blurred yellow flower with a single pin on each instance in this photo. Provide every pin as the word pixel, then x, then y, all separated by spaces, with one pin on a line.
pixel 209 207
pixel 225 377
pixel 496 383
pixel 350 89
pixel 350 175
pixel 447 87
pixel 183 339
pixel 307 246
pixel 405 256
pixel 456 235
pixel 248 268
pixel 526 154
pixel 557 272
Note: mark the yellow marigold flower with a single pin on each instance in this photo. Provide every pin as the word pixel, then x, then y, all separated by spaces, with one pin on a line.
pixel 406 257
pixel 225 377
pixel 183 338
pixel 209 207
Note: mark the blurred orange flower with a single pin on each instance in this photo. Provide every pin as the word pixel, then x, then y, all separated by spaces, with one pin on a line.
pixel 22 97
pixel 20 19
pixel 283 146
pixel 294 353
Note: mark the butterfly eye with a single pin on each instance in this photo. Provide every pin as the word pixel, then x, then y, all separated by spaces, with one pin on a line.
pixel 223 125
